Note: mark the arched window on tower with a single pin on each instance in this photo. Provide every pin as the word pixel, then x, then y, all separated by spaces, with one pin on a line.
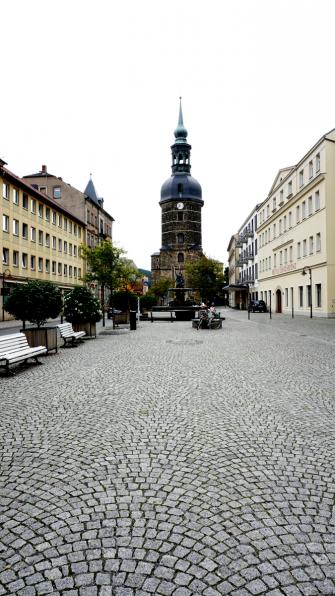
pixel 180 238
pixel 180 188
pixel 180 257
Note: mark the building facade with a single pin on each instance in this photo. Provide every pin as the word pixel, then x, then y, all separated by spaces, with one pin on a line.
pixel 181 203
pixel 295 238
pixel 85 205
pixel 40 239
pixel 243 263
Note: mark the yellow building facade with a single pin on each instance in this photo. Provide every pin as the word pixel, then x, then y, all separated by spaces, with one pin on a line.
pixel 39 238
pixel 296 240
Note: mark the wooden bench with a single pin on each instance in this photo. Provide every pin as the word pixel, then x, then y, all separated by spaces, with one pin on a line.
pixel 68 335
pixel 14 348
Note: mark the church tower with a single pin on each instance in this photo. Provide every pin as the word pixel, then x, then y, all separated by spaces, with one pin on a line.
pixel 181 203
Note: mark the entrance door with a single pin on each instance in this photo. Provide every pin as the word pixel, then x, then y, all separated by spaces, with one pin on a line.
pixel 278 301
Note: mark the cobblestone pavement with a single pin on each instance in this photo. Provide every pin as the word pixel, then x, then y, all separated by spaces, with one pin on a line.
pixel 173 461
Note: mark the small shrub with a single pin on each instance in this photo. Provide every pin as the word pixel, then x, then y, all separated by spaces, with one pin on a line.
pixel 35 302
pixel 81 306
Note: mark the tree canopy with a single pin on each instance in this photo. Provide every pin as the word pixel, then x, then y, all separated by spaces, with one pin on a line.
pixel 35 301
pixel 207 276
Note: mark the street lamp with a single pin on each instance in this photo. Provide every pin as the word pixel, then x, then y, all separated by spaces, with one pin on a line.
pixel 304 272
pixel 5 273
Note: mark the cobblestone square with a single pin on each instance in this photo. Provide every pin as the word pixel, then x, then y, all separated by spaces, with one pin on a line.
pixel 173 461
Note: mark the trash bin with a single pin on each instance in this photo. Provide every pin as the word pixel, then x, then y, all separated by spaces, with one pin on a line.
pixel 132 318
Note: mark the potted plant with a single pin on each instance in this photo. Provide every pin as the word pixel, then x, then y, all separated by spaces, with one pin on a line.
pixel 83 310
pixel 36 302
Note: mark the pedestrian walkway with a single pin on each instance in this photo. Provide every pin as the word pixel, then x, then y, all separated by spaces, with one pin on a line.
pixel 173 461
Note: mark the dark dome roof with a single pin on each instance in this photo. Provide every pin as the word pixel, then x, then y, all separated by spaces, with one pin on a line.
pixel 191 188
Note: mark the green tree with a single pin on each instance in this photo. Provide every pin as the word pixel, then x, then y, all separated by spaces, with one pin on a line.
pixel 160 287
pixel 37 301
pixel 206 275
pixel 105 266
pixel 81 306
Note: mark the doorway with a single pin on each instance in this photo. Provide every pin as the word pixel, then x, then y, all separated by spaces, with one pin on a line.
pixel 278 301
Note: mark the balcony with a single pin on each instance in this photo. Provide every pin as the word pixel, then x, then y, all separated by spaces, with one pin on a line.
pixel 249 233
pixel 251 256
pixel 242 261
pixel 240 241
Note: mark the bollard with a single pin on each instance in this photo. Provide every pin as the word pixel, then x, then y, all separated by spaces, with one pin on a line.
pixel 132 318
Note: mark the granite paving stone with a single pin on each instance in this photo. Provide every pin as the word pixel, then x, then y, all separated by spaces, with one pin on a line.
pixel 168 460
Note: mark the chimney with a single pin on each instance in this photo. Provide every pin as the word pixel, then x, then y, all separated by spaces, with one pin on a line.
pixel 44 169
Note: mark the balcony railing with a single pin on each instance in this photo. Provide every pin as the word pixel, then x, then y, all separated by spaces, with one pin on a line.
pixel 242 261
pixel 249 233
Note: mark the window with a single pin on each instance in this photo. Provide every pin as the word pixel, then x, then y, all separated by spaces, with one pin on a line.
pixel 286 296
pixel 289 188
pixel 301 178
pixel 65 224
pixel 310 169
pixel 74 250
pixel 25 201
pixel 291 253
pixel 60 220
pixel 297 214
pixel 281 197
pixel 47 265
pixel 40 237
pixel 267 211
pixel 280 227
pixel 54 242
pixel 70 249
pixel 290 219
pixel 56 192
pixel 304 248
pixel 43 189
pixel 317 162
pixel 275 260
pixel 180 238
pixel 33 234
pixel 318 295
pixel 274 204
pixel 317 201
pixel 25 231
pixel 274 230
pixel 54 217
pixel 79 271
pixel 59 245
pixel 5 256
pixel 16 226
pixel 65 270
pixel 32 262
pixel 285 256
pixel 303 209
pixel 299 250
pixel 79 232
pixel 47 213
pixel 285 223
pixel 318 242
pixel 47 240
pixel 301 296
pixel 33 206
pixel 310 205
pixel 40 264
pixel 40 210
pixel 180 257
pixel 65 246
pixel 5 223
pixel 311 245
pixel 15 196
pixel 24 260
pixel 53 267
pixel 75 271
pixel 70 227
pixel 60 269
pixel 281 257
pixel 70 270
pixel 180 216
pixel 269 262
pixel 15 258
pixel 5 190
pixel 75 227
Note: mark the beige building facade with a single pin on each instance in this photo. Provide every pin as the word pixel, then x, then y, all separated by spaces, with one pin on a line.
pixel 295 236
pixel 40 239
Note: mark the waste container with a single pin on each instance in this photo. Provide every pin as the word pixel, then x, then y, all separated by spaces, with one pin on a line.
pixel 132 318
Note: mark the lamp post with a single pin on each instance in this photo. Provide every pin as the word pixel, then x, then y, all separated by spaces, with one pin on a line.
pixel 304 272
pixel 5 273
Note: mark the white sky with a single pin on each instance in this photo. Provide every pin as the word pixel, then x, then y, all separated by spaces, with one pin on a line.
pixel 93 86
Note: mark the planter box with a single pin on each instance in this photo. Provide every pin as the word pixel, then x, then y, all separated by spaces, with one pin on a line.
pixel 121 318
pixel 43 336
pixel 89 328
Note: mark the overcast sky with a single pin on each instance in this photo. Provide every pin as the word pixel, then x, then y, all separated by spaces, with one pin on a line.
pixel 93 86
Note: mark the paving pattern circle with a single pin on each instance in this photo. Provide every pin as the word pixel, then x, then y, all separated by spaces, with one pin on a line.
pixel 173 461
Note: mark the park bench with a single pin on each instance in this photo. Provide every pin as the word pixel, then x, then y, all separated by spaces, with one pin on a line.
pixel 204 321
pixel 69 335
pixel 14 348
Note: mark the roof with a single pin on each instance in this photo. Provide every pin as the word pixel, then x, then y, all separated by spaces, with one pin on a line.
pixel 38 194
pixel 91 192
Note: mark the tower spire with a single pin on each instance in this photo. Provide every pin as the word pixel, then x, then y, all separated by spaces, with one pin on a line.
pixel 180 133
